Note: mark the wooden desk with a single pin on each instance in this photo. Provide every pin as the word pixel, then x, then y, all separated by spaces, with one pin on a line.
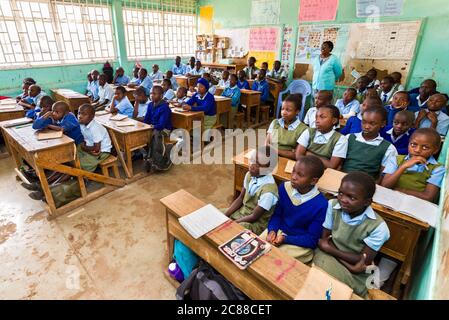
pixel 219 91
pixel 127 139
pixel 250 99
pixel 187 81
pixel 232 68
pixel 184 120
pixel 72 98
pixel 129 92
pixel 11 111
pixel 53 155
pixel 274 276
pixel 224 106
pixel 405 231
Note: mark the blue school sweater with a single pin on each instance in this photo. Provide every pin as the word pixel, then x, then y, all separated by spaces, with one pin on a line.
pixel 159 116
pixel 302 224
pixel 243 85
pixel 69 123
pixel 353 125
pixel 205 104
pixel 391 112
pixel 262 86
pixel 400 144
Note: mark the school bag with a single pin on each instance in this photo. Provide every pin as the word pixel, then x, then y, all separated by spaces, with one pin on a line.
pixel 158 158
pixel 204 283
pixel 186 259
pixel 65 192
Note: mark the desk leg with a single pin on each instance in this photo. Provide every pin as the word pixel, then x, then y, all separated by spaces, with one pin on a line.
pixel 119 154
pixel 248 116
pixel 128 153
pixel 257 114
pixel 229 115
pixel 46 189
pixel 80 179
pixel 170 240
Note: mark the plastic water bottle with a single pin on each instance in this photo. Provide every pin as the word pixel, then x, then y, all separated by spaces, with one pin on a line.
pixel 175 272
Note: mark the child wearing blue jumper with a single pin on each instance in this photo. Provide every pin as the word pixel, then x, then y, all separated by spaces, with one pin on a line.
pixel 354 124
pixel 121 104
pixel 296 224
pixel 400 132
pixel 262 85
pixel 242 83
pixel 203 101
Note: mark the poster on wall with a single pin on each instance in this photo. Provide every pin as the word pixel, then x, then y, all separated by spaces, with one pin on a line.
pixel 287 46
pixel 318 10
pixel 379 8
pixel 265 12
pixel 311 37
pixel 263 39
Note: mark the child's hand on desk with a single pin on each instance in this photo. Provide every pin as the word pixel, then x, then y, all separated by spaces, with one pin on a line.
pixel 186 107
pixel 279 240
pixel 271 237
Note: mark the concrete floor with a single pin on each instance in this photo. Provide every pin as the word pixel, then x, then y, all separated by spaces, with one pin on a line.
pixel 111 248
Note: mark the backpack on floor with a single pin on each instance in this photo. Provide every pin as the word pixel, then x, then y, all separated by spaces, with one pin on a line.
pixel 204 283
pixel 65 192
pixel 158 158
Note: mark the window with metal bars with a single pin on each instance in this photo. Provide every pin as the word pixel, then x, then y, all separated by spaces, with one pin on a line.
pixel 159 28
pixel 46 32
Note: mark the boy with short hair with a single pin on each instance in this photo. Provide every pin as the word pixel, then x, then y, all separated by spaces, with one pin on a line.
pixel 92 87
pixel 251 71
pixel 426 90
pixel 140 104
pixel 433 116
pixel 232 91
pixel 156 75
pixel 242 83
pixel 387 90
pixel 169 94
pixel 35 93
pixel 105 93
pixel 348 106
pixel 174 83
pixel 120 79
pixel 261 85
pixel 121 104
pixel 400 132
pixel 278 73
pixel 143 80
pixel 224 81
pixel 400 102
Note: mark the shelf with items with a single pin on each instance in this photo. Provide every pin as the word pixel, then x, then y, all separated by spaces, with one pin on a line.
pixel 210 48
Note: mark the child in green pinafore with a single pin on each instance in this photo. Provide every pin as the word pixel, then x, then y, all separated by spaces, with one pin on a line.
pixel 417 174
pixel 255 204
pixel 323 141
pixel 284 133
pixel 353 233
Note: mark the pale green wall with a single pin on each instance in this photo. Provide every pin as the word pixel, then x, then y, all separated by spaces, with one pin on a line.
pixel 431 60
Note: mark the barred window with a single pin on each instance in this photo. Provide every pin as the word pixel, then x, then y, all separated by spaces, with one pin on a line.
pixel 44 32
pixel 159 29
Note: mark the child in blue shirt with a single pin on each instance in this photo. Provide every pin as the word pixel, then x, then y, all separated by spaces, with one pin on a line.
pixel 158 112
pixel 400 132
pixel 296 224
pixel 93 86
pixel 169 94
pixel 242 83
pixel 121 104
pixel 419 101
pixel 143 80
pixel 354 124
pixel 174 83
pixel 60 119
pixel 45 105
pixel 433 116
pixel 140 104
pixel 261 85
pixel 26 83
pixel 232 91
pixel 35 94
pixel 120 79
pixel 348 106
pixel 400 101
pixel 203 101
pixel 178 68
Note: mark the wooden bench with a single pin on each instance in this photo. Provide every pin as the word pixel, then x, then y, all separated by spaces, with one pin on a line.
pixel 110 162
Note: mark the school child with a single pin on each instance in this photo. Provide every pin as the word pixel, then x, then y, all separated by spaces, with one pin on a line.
pixel 203 101
pixel 60 119
pixel 169 94
pixel 140 104
pixel 143 81
pixel 348 106
pixel 159 115
pixel 26 83
pixel 212 87
pixel 251 71
pixel 323 141
pixel 386 91
pixel 224 81
pixel 121 104
pixel 400 132
pixel 232 91
pixel 96 146
pixel 322 98
pixel 92 87
pixel 190 65
pixel 135 75
pixel 400 102
pixel 278 73
pixel 354 124
pixel 105 93
pixel 174 83
pixel 261 85
pixel 426 90
pixel 35 94
pixel 156 75
pixel 367 150
pixel 46 105
pixel 397 77
pixel 433 116
pixel 181 96
pixel 255 204
pixel 353 233
pixel 120 79
pixel 178 68
pixel 418 173
pixel 198 70
pixel 362 87
pixel 265 67
pixel 242 83
pixel 284 133
pixel 297 222
pixel 372 76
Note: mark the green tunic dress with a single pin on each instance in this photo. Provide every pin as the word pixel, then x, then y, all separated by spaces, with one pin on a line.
pixel 323 150
pixel 250 202
pixel 416 181
pixel 349 239
pixel 286 139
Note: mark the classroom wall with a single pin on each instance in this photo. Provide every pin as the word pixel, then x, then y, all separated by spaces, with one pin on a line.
pixel 431 60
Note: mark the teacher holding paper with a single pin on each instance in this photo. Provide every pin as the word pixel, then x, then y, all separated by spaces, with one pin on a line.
pixel 326 69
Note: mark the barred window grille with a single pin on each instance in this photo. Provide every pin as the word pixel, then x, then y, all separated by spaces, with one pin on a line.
pixel 45 32
pixel 159 28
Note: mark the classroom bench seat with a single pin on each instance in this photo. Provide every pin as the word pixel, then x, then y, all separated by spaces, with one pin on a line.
pixel 110 162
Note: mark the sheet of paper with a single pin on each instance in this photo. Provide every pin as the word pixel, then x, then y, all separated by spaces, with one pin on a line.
pixel 379 8
pixel 265 12
pixel 125 124
pixel 101 112
pixel 263 39
pixel 202 221
pixel 289 167
pixel 118 117
pixel 313 10
pixel 321 286
pixel 47 135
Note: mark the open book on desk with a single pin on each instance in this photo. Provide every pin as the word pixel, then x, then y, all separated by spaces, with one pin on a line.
pixel 203 220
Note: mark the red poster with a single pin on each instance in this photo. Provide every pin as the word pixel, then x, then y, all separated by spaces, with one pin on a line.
pixel 318 10
pixel 263 39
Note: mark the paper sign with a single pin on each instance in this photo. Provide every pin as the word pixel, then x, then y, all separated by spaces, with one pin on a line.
pixel 379 8
pixel 318 10
pixel 265 12
pixel 263 39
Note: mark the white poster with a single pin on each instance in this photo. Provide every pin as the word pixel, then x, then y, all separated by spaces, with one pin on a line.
pixel 379 8
pixel 265 12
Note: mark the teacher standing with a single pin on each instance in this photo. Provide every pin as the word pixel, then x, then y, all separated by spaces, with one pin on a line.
pixel 327 69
